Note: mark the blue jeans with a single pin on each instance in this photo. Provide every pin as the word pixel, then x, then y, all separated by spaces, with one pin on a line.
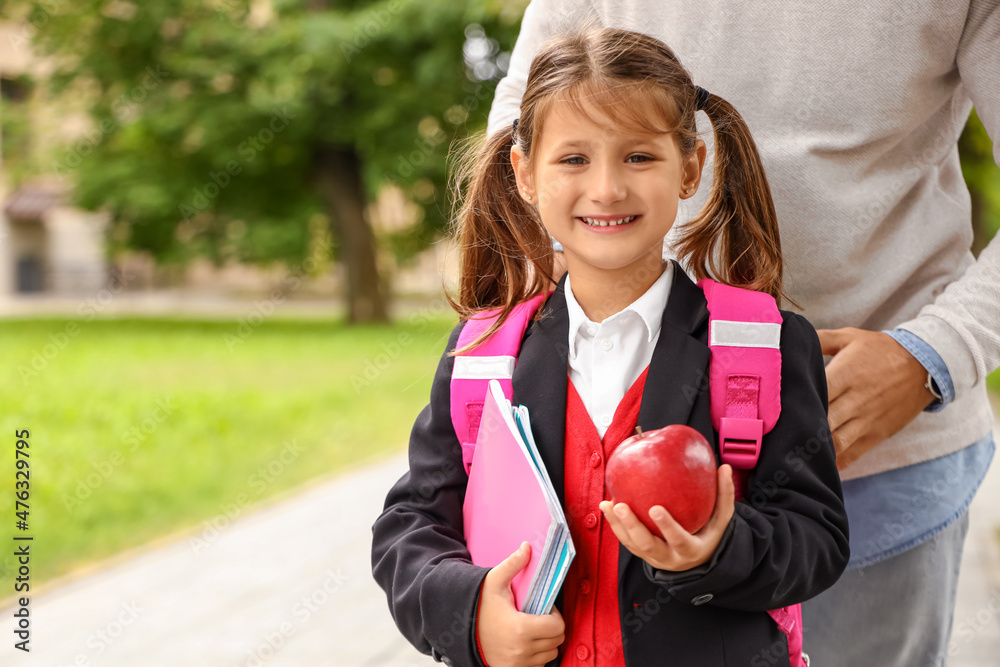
pixel 894 613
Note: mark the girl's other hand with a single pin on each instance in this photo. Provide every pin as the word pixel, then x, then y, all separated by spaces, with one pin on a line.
pixel 507 637
pixel 680 550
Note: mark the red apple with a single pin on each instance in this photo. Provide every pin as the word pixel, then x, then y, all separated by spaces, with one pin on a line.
pixel 673 467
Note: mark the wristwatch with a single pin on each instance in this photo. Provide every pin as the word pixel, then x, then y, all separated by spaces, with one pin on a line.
pixel 932 387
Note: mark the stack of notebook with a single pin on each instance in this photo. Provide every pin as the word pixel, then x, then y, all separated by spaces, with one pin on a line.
pixel 510 500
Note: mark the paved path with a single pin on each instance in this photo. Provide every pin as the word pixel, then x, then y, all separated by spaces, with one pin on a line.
pixel 290 585
pixel 287 586
pixel 201 304
pixel 975 637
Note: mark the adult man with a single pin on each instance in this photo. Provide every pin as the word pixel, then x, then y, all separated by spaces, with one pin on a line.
pixel 856 109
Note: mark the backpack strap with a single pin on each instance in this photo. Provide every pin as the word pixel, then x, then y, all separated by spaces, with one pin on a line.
pixel 494 359
pixel 744 336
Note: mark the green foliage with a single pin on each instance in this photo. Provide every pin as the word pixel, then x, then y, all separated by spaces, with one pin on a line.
pixel 141 428
pixel 982 175
pixel 209 112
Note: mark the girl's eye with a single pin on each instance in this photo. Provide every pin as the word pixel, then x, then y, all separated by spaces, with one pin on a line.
pixel 576 159
pixel 638 158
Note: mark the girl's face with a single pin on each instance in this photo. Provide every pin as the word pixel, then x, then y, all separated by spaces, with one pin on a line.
pixel 608 197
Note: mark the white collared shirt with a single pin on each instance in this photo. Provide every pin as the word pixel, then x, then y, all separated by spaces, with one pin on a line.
pixel 606 359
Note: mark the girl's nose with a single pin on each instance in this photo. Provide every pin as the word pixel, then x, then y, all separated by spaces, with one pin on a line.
pixel 608 185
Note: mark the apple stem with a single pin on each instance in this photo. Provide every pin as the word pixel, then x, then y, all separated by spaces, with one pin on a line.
pixel 638 431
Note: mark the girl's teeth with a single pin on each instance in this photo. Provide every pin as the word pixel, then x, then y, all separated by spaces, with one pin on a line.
pixel 608 223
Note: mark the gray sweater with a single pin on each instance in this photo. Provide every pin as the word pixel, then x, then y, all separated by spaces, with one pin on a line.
pixel 856 108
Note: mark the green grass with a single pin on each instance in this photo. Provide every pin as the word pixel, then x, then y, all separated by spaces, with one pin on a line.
pixel 140 428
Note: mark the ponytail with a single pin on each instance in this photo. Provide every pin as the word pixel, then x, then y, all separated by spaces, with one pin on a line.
pixel 506 254
pixel 734 238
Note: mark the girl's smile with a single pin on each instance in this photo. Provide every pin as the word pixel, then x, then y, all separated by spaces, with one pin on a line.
pixel 607 223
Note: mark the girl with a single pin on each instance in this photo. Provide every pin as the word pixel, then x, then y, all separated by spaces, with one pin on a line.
pixel 604 149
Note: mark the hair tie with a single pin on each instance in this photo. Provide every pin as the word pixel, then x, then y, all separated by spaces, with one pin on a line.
pixel 700 98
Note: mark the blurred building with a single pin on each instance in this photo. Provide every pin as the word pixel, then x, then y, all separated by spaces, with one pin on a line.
pixel 48 246
pixel 45 244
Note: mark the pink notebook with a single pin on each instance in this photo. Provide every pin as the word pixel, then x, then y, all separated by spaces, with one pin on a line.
pixel 510 500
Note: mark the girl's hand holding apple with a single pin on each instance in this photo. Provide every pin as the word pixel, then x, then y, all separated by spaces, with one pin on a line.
pixel 677 550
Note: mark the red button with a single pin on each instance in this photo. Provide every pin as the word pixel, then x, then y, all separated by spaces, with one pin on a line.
pixel 590 520
pixel 585 586
pixel 582 652
pixel 595 460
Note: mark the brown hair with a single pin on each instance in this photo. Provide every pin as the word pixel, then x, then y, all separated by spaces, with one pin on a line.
pixel 506 253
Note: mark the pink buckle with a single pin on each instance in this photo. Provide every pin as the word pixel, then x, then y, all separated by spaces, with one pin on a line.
pixel 740 441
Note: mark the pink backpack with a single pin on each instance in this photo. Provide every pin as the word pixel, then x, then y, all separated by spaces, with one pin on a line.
pixel 744 331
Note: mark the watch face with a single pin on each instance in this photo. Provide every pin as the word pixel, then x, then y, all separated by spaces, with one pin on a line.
pixel 932 387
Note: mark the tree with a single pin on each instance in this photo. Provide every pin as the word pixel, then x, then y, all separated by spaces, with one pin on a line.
pixel 225 127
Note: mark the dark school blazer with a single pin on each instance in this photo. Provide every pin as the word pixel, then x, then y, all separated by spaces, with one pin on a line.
pixel 787 541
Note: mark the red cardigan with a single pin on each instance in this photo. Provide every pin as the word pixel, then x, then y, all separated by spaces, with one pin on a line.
pixel 590 609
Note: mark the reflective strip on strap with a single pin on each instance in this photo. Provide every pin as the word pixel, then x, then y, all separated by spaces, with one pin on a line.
pixel 726 333
pixel 483 368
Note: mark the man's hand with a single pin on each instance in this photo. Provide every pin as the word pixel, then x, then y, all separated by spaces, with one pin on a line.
pixel 876 388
